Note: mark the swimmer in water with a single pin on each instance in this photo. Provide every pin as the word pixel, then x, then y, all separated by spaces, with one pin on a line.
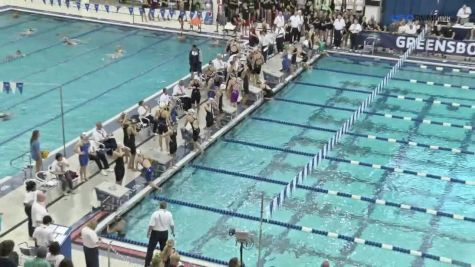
pixel 69 41
pixel 18 54
pixel 118 53
pixel 28 32
pixel 4 116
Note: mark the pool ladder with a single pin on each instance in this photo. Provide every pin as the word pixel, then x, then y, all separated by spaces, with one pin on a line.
pixel 26 161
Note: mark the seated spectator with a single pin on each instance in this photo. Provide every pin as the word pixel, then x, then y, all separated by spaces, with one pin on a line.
pixel 54 256
pixel 8 257
pixel 145 115
pixel 402 27
pixel 100 135
pixel 410 28
pixel 164 98
pixel 39 260
pixel 371 25
pixel 463 14
pixel 98 155
pixel 60 168
pixel 43 235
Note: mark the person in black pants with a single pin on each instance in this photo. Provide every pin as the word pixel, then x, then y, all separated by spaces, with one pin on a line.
pixel 100 158
pixel 30 197
pixel 194 59
pixel 160 222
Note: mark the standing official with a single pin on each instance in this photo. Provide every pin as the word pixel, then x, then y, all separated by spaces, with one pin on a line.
pixel 160 222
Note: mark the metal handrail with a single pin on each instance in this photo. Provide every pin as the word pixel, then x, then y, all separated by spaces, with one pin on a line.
pixel 122 257
pixel 20 157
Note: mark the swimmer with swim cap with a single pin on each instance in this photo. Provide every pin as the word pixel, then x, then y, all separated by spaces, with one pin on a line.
pixel 69 41
pixel 28 32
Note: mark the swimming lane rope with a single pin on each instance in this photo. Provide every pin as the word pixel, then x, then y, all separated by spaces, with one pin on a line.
pixel 322 190
pixel 335 235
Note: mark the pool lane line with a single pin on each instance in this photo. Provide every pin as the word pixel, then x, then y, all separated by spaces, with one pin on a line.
pixel 355 162
pixel 401 97
pixel 55 44
pixel 438 68
pixel 368 136
pixel 68 82
pixel 445 85
pixel 18 23
pixel 314 231
pixel 43 31
pixel 322 190
pixel 386 115
pixel 99 95
pixel 460 68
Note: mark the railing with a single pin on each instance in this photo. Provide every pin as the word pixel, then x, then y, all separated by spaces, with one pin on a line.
pixel 125 258
pixel 27 168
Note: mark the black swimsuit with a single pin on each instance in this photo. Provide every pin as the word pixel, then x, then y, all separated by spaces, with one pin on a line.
pixel 119 170
pixel 162 124
pixel 196 131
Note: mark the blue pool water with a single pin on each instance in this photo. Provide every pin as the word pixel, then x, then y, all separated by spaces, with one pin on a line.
pixel 95 87
pixel 206 233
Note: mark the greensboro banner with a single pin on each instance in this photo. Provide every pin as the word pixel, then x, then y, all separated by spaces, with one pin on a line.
pixel 430 44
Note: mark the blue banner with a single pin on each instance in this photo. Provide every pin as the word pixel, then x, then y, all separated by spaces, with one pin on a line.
pixel 107 8
pixel 431 44
pixel 117 9
pixel 78 5
pixel 96 7
pixel 51 2
pixel 131 10
pixel 67 3
pixel 59 2
pixel 87 6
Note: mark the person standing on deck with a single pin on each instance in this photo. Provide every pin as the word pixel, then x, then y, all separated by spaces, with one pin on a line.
pixel 160 223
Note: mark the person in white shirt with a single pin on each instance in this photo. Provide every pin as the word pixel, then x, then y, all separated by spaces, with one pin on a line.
pixel 54 256
pixel 339 26
pixel 145 115
pixel 184 93
pixel 160 223
pixel 43 235
pixel 410 28
pixel 220 64
pixel 267 43
pixel 463 14
pixel 359 5
pixel 30 198
pixel 279 21
pixel 294 25
pixel 38 209
pixel 59 167
pixel 301 21
pixel 90 242
pixel 164 98
pixel 402 27
pixel 100 135
pixel 355 28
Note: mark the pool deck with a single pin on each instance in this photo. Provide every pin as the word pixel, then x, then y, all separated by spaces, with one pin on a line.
pixel 59 206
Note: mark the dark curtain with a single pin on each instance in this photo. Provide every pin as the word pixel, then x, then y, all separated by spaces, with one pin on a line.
pixel 422 7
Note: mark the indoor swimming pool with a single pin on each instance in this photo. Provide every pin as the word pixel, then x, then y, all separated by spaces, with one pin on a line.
pixel 95 85
pixel 412 147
